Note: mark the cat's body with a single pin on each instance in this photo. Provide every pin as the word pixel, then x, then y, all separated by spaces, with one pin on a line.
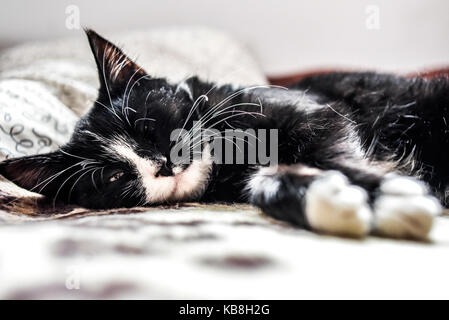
pixel 342 141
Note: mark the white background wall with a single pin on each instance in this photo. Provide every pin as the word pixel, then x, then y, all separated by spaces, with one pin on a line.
pixel 285 35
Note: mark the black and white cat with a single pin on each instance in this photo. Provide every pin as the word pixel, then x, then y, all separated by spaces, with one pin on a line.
pixel 348 146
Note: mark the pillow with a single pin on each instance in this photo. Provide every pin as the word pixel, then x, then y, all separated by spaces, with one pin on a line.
pixel 45 87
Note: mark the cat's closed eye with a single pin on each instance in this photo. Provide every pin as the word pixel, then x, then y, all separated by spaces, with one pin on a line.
pixel 115 176
pixel 144 126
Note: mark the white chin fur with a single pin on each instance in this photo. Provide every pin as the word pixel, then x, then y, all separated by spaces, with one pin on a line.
pixel 192 182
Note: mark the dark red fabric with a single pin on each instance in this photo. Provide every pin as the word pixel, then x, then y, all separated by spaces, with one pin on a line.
pixel 288 79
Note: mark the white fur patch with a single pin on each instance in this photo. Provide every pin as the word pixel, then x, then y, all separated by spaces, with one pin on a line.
pixel 263 183
pixel 336 207
pixel 307 171
pixel 157 189
pixel 404 210
pixel 183 86
pixel 403 186
pixel 192 182
pixel 298 98
pixel 187 184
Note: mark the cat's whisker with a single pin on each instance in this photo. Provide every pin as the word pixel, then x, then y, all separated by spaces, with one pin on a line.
pixel 52 177
pixel 220 112
pixel 212 110
pixel 126 88
pixel 239 92
pixel 129 108
pixel 236 113
pixel 148 95
pixel 142 200
pixel 143 119
pixel 133 85
pixel 75 156
pixel 127 114
pixel 245 132
pixel 102 173
pixel 218 138
pixel 192 109
pixel 230 125
pixel 106 81
pixel 227 118
pixel 194 142
pixel 223 138
pixel 65 181
pixel 129 94
pixel 207 97
pixel 340 114
pixel 118 66
pixel 208 116
pixel 126 190
pixel 109 109
pixel 93 179
pixel 74 184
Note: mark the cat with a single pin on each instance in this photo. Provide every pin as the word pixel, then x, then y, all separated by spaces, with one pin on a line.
pixel 357 153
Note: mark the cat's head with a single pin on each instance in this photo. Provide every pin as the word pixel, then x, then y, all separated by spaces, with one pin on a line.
pixel 119 153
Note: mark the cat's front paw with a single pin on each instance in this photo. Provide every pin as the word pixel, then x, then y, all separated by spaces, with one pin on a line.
pixel 404 209
pixel 335 206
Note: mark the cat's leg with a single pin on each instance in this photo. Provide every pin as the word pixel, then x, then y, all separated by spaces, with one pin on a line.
pixel 353 203
pixel 323 201
pixel 398 116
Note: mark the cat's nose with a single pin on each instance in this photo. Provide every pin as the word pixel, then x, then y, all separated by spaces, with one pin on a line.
pixel 164 170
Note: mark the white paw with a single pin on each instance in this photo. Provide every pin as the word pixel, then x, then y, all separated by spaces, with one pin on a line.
pixel 404 209
pixel 264 184
pixel 400 185
pixel 334 206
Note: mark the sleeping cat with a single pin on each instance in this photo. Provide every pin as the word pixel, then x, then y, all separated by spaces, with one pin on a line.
pixel 350 148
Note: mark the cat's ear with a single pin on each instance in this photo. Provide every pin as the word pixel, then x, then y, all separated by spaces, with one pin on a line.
pixel 33 172
pixel 115 69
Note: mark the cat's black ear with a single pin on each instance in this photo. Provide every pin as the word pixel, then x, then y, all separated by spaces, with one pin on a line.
pixel 115 69
pixel 33 172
